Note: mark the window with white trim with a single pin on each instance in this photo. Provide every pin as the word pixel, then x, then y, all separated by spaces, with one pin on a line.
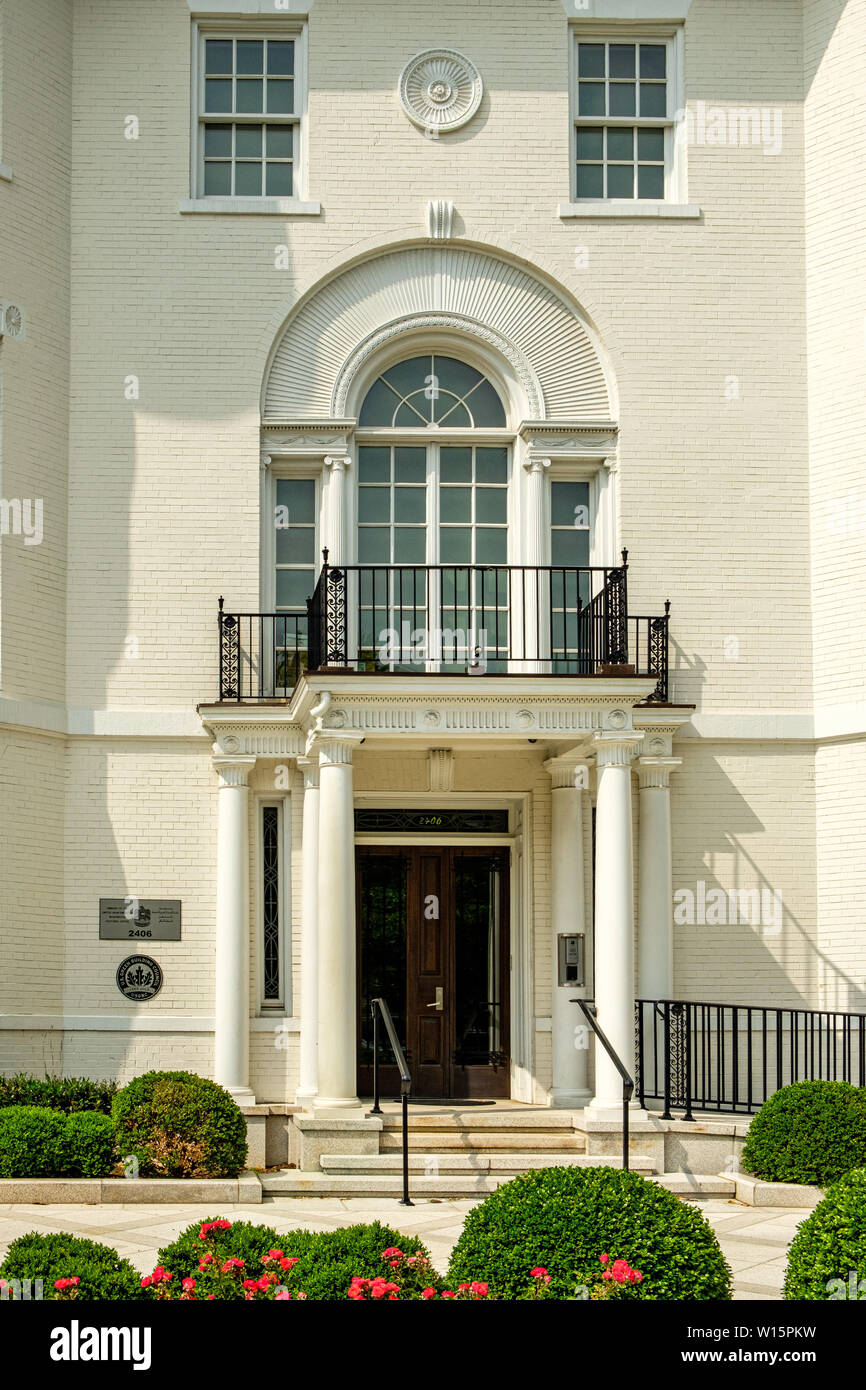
pixel 250 104
pixel 624 100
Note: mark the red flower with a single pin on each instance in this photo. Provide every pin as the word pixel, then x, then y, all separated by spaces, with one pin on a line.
pixel 146 1282
pixel 604 1258
pixel 428 1293
pixel 232 1264
pixel 188 1285
pixel 275 1254
pixel 288 1261
pixel 391 1252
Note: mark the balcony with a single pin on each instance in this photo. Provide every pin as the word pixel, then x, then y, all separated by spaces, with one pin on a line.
pixel 470 620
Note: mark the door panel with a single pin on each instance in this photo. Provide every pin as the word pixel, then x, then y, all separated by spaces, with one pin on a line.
pixel 433 941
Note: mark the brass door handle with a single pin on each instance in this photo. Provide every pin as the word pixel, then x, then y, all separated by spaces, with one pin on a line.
pixel 438 1002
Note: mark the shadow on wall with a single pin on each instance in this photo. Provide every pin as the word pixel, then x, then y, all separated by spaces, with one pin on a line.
pixel 734 921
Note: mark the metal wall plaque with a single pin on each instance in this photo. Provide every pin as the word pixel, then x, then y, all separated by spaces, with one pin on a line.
pixel 139 978
pixel 139 919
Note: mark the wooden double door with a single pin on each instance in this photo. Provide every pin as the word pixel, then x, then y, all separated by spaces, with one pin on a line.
pixel 433 942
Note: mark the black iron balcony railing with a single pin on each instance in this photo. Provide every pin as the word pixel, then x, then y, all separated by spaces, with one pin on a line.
pixel 447 619
pixel 729 1058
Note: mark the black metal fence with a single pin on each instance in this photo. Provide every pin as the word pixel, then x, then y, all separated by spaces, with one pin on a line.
pixel 729 1057
pixel 450 619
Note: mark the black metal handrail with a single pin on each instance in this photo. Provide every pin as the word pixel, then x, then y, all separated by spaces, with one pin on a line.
pixel 589 1011
pixel 380 1007
pixel 728 1058
pixel 454 619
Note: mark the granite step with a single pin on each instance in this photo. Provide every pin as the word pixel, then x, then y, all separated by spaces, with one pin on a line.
pixel 440 1164
pixel 515 1140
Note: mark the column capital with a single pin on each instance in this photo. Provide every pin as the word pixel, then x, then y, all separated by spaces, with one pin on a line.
pixel 334 749
pixel 310 768
pixel 617 749
pixel 534 464
pixel 568 774
pixel 338 462
pixel 656 772
pixel 234 772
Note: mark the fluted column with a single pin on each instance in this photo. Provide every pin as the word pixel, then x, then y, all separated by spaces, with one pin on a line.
pixel 309 1059
pixel 232 966
pixel 337 1072
pixel 614 914
pixel 338 465
pixel 655 879
pixel 570 1053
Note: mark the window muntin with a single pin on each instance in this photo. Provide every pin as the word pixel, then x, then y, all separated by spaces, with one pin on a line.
pixel 392 505
pixel 249 121
pixel 623 119
pixel 432 390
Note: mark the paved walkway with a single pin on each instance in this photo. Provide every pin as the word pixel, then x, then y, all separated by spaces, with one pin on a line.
pixel 754 1239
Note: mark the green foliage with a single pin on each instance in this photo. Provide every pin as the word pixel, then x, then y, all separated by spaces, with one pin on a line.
pixel 103 1274
pixel 180 1125
pixel 830 1246
pixel 326 1262
pixel 32 1142
pixel 88 1143
pixel 811 1132
pixel 564 1219
pixel 242 1241
pixel 67 1093
pixel 36 1142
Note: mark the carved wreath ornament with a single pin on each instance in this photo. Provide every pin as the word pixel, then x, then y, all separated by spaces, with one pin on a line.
pixel 440 90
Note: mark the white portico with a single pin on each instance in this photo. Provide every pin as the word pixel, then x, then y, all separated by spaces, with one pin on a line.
pixel 593 738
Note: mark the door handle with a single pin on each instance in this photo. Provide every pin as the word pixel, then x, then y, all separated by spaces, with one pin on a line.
pixel 438 1002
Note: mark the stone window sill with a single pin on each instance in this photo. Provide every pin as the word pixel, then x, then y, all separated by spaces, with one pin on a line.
pixel 593 208
pixel 6 172
pixel 251 207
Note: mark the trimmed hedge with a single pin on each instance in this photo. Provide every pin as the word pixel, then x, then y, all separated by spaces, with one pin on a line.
pixel 32 1142
pixel 88 1143
pixel 36 1142
pixel 811 1132
pixel 179 1125
pixel 327 1261
pixel 564 1219
pixel 103 1274
pixel 827 1259
pixel 65 1093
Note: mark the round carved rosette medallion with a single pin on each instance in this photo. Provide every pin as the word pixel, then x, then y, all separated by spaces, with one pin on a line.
pixel 440 90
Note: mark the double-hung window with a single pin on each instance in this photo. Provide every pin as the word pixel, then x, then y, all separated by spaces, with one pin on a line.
pixel 250 104
pixel 625 100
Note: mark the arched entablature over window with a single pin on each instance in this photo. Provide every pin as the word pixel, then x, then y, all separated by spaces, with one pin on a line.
pixel 462 302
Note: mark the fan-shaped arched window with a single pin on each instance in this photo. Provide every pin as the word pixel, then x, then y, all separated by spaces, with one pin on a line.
pixel 432 390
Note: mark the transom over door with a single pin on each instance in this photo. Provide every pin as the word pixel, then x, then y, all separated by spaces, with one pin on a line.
pixel 433 941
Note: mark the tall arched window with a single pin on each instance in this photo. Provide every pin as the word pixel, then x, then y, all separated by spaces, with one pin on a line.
pixel 438 502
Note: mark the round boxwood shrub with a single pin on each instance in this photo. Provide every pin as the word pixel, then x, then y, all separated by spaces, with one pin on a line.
pixel 88 1142
pixel 32 1142
pixel 565 1218
pixel 179 1125
pixel 827 1259
pixel 243 1240
pixel 103 1274
pixel 811 1132
pixel 326 1261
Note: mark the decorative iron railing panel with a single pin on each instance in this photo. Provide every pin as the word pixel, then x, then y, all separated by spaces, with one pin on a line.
pixel 729 1057
pixel 447 619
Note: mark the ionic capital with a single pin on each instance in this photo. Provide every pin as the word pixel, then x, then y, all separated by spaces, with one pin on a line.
pixel 310 768
pixel 234 772
pixel 656 772
pixel 617 749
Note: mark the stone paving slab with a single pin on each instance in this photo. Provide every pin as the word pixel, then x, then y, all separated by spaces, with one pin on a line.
pixel 754 1240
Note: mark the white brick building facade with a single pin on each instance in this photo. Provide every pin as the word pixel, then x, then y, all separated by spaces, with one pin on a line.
pixel 698 358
